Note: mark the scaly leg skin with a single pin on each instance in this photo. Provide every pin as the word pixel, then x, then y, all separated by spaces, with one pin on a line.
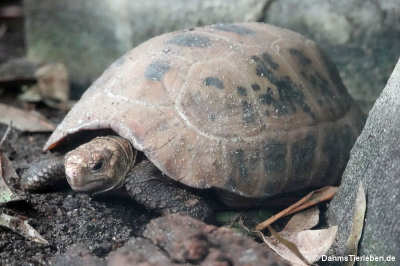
pixel 44 175
pixel 146 185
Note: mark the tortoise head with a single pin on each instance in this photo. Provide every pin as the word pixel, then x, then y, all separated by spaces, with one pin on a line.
pixel 99 165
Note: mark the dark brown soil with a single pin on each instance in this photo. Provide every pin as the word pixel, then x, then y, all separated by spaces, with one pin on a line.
pixel 63 218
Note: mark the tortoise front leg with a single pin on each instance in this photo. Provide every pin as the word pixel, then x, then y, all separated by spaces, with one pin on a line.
pixel 43 175
pixel 146 185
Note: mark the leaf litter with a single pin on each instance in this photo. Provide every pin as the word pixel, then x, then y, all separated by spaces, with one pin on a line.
pixel 360 206
pixel 298 244
pixel 14 223
pixel 26 121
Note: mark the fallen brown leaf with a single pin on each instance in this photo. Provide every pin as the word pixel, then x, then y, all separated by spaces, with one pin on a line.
pixel 299 245
pixel 304 220
pixel 52 82
pixel 20 226
pixel 4 137
pixel 7 172
pixel 294 255
pixel 304 247
pixel 360 206
pixel 29 121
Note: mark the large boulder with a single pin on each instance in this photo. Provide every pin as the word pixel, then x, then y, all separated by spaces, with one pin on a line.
pixel 88 35
pixel 182 240
pixel 361 36
pixel 374 163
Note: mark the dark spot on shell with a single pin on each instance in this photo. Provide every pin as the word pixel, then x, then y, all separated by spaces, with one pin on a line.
pixel 241 30
pixel 211 116
pixel 267 97
pixel 214 81
pixel 344 100
pixel 241 91
pixel 290 94
pixel 336 146
pixel 274 157
pixel 334 74
pixel 239 160
pixel 264 67
pixel 190 40
pixel 156 70
pixel 268 59
pixel 301 58
pixel 245 165
pixel 331 148
pixel 313 80
pixel 318 82
pixel 255 87
pixel 302 159
pixel 248 112
pixel 323 84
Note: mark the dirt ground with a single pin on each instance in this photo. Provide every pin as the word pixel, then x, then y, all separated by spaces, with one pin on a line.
pixel 63 218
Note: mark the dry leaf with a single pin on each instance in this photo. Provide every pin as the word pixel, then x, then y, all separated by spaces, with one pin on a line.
pixel 311 244
pixel 7 172
pixel 299 245
pixel 52 82
pixel 360 206
pixel 52 87
pixel 303 220
pixel 21 227
pixel 292 252
pixel 311 199
pixel 29 121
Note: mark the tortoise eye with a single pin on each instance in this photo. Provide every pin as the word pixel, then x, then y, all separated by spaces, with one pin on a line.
pixel 98 166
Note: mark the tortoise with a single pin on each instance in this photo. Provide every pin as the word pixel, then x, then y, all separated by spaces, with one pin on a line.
pixel 249 110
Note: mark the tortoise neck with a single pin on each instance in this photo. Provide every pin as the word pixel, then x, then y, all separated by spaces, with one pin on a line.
pixel 128 158
pixel 129 152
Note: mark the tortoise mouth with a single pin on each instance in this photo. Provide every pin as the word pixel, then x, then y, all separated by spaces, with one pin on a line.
pixel 94 186
pixel 91 186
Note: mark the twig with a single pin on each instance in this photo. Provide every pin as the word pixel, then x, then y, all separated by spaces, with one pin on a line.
pixel 5 134
pixel 311 199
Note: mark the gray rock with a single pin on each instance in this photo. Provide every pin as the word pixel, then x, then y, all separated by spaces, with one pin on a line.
pixel 87 35
pixel 138 251
pixel 375 162
pixel 361 36
pixel 182 240
pixel 187 240
pixel 77 255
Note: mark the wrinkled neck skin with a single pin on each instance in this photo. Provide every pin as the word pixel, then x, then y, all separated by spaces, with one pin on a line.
pixel 99 165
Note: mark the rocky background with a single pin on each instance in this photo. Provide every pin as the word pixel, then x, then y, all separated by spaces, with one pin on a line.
pixel 361 36
pixel 375 164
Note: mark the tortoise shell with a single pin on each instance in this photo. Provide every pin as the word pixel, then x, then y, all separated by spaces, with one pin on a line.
pixel 250 108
